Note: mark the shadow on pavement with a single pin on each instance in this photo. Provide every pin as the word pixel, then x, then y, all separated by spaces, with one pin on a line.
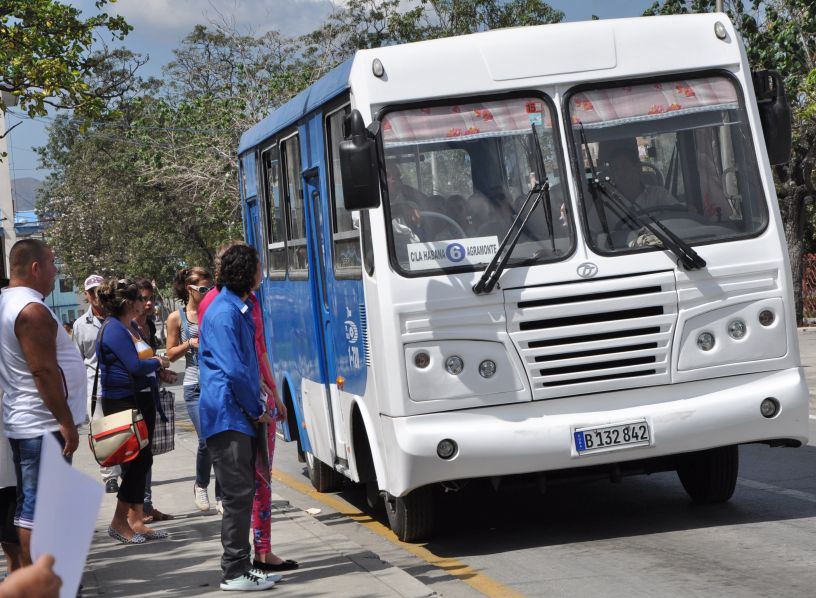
pixel 478 520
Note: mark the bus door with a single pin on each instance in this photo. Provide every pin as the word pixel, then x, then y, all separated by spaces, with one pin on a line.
pixel 329 407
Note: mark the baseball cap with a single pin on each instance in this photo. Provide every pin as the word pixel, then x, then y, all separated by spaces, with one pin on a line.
pixel 94 280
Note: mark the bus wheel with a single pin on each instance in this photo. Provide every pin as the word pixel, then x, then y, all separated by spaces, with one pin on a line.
pixel 411 517
pixel 710 476
pixel 323 477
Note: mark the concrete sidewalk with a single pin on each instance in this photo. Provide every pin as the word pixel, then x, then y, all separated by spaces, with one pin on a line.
pixel 188 563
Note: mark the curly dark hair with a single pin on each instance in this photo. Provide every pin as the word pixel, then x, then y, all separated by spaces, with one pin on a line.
pixel 188 276
pixel 114 294
pixel 239 264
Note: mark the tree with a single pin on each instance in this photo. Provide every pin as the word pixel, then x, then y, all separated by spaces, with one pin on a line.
pixel 47 57
pixel 375 23
pixel 781 35
pixel 152 185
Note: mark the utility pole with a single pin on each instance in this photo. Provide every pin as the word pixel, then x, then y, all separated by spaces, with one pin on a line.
pixel 718 6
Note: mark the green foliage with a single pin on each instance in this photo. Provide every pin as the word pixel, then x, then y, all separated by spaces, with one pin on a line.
pixel 47 58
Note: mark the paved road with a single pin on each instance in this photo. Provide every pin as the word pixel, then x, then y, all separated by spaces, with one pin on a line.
pixel 639 537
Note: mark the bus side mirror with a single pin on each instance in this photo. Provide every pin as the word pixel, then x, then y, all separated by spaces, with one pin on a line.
pixel 358 166
pixel 775 114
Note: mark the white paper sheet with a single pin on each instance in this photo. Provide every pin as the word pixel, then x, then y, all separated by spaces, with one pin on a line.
pixel 65 516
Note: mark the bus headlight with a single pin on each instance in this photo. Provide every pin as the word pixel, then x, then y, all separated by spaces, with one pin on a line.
pixel 737 329
pixel 739 334
pixel 487 368
pixel 475 371
pixel 454 365
pixel 706 341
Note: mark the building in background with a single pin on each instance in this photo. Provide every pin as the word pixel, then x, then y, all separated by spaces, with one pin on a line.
pixel 65 300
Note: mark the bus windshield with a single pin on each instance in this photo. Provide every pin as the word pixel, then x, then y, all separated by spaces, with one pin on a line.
pixel 457 175
pixel 679 151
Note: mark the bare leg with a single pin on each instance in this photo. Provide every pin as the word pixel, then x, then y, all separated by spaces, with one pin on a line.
pixel 120 520
pixel 12 552
pixel 135 517
pixel 25 545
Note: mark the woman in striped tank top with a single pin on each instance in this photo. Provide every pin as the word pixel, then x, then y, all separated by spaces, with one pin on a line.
pixel 190 286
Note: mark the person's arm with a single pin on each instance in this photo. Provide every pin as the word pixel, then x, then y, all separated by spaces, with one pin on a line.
pixel 228 345
pixel 36 330
pixel 175 348
pixel 117 340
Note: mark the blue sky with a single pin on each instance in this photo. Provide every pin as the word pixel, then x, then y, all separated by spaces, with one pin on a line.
pixel 159 26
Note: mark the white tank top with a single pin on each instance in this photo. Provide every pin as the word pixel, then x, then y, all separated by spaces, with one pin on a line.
pixel 24 412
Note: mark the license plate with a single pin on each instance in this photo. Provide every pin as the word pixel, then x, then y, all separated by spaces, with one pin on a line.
pixel 612 436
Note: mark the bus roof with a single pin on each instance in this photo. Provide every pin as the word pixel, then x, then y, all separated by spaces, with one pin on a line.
pixel 330 85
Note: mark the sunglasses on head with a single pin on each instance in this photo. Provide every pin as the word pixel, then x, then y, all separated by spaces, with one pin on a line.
pixel 199 288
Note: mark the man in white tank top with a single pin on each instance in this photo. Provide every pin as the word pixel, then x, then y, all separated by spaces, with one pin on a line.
pixel 42 375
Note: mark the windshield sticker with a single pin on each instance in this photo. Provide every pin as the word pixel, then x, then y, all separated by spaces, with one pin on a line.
pixel 456 252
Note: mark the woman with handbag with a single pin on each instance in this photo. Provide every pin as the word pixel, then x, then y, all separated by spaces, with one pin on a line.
pixel 127 371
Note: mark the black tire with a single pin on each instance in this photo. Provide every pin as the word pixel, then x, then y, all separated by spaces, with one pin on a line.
pixel 411 517
pixel 323 477
pixel 710 476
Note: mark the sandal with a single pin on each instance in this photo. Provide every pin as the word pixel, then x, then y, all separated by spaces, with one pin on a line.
pixel 159 516
pixel 156 535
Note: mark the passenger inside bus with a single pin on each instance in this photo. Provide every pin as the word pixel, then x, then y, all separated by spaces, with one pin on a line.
pixel 619 160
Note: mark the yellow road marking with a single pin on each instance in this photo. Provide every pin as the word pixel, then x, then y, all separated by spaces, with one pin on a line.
pixel 484 584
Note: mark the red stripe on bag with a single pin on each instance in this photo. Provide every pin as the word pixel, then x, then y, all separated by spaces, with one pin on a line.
pixel 125 453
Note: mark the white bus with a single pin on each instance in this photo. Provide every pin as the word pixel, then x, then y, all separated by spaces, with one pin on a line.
pixel 547 251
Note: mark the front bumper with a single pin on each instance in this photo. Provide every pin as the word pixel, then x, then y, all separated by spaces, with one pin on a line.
pixel 537 436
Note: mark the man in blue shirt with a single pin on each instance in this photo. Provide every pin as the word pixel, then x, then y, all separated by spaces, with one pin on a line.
pixel 230 408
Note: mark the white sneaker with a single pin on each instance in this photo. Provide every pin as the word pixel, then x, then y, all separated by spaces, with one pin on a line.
pixel 268 575
pixel 202 501
pixel 219 506
pixel 248 582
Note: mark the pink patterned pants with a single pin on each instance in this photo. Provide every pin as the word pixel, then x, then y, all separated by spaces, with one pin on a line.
pixel 262 503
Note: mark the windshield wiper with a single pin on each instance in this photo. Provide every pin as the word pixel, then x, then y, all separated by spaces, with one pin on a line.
pixel 626 210
pixel 540 189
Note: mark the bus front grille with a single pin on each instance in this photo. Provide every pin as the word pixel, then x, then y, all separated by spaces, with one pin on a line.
pixel 594 336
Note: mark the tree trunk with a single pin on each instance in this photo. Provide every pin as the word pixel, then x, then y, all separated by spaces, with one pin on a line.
pixel 792 208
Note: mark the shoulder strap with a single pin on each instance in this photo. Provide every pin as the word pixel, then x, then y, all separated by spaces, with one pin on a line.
pixel 98 366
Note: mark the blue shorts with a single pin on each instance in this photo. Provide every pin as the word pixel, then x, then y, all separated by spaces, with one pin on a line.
pixel 26 453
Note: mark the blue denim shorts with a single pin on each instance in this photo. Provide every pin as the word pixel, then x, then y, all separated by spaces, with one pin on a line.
pixel 26 453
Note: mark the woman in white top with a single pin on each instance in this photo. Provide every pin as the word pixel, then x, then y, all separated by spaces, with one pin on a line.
pixel 190 286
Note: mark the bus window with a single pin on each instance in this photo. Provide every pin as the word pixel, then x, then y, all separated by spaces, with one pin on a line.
pixel 680 151
pixel 296 238
pixel 273 209
pixel 458 174
pixel 345 238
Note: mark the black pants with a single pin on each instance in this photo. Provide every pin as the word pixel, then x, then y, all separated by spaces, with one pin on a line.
pixel 134 473
pixel 233 457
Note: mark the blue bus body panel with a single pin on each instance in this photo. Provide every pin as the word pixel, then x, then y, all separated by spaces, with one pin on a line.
pixel 311 98
pixel 314 328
